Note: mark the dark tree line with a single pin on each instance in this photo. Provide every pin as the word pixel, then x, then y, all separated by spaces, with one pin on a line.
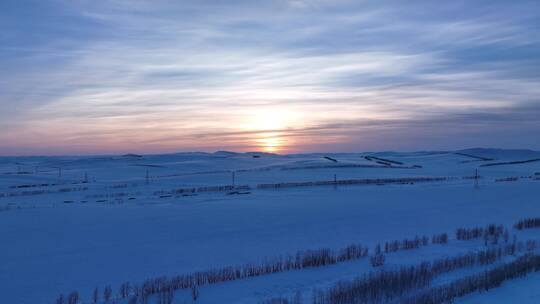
pixel 376 286
pixel 528 223
pixel 511 162
pixel 164 287
pixel 72 298
pixel 202 189
pixel 406 244
pixel 480 282
pixel 378 258
pixel 386 285
pixel 491 231
pixel 385 160
pixel 440 238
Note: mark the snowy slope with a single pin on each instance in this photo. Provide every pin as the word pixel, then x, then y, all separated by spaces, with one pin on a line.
pixel 88 237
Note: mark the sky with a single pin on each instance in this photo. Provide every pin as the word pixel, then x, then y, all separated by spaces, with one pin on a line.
pixel 284 76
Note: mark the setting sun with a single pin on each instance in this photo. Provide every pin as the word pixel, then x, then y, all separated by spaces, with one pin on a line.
pixel 267 124
pixel 270 142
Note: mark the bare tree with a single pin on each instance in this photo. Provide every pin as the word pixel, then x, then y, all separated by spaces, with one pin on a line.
pixel 195 292
pixel 377 260
pixel 73 298
pixel 124 290
pixel 95 296
pixel 60 299
pixel 107 292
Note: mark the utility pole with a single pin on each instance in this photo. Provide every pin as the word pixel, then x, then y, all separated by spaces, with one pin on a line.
pixel 476 177
pixel 233 178
pixel 335 181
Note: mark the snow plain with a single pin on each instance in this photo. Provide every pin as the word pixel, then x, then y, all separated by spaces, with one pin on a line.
pixel 76 223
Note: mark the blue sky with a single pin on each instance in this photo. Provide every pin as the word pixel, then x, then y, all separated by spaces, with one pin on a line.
pixel 116 76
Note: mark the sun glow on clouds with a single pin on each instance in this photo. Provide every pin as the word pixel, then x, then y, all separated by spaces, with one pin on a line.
pixel 267 123
pixel 270 142
pixel 165 76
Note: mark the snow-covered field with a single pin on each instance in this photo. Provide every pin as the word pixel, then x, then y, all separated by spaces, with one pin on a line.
pixel 77 223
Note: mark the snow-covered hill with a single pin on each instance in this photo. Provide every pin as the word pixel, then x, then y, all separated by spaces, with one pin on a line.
pixel 77 223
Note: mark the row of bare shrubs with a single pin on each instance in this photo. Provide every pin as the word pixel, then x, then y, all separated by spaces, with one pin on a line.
pixel 374 181
pixel 72 298
pixel 378 257
pixel 112 195
pixel 22 186
pixel 480 282
pixel 163 287
pixel 440 238
pixel 203 189
pixel 405 244
pixel 492 230
pixel 528 223
pixel 384 160
pixel 300 184
pixel 511 162
pixel 40 192
pixel 390 284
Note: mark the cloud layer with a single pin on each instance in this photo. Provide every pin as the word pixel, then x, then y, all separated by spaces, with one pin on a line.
pixel 286 76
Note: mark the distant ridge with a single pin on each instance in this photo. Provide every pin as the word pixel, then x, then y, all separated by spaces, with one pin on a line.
pixel 130 155
pixel 510 154
pixel 225 153
pixel 497 153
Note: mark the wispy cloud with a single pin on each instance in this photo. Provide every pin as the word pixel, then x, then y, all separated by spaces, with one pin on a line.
pixel 113 76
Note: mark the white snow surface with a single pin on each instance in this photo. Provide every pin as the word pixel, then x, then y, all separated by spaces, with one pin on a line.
pixel 96 221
